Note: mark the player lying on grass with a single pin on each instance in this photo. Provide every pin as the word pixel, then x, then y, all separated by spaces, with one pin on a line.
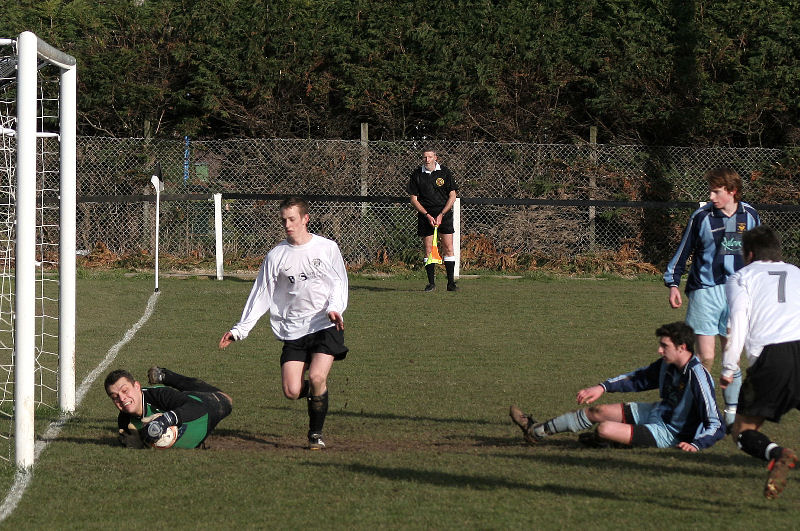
pixel 765 320
pixel 686 416
pixel 178 411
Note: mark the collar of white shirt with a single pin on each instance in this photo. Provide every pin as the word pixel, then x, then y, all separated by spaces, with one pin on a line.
pixel 435 169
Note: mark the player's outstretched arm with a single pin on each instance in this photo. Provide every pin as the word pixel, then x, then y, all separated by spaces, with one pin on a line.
pixel 227 339
pixel 590 394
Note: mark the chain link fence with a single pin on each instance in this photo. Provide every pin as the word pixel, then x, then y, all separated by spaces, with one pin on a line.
pixel 601 203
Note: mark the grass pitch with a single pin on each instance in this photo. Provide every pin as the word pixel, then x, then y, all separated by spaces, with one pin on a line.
pixel 418 428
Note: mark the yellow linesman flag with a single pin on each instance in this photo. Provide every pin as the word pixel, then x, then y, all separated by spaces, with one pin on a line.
pixel 434 257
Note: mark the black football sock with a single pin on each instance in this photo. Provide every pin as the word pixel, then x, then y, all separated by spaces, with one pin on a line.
pixel 305 391
pixel 186 383
pixel 430 269
pixel 758 445
pixel 450 267
pixel 317 410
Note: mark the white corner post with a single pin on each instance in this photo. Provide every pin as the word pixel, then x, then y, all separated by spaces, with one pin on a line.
pixel 67 227
pixel 457 236
pixel 25 261
pixel 158 183
pixel 218 233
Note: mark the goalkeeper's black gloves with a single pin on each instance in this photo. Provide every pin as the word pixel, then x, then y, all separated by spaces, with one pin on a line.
pixel 130 438
pixel 157 426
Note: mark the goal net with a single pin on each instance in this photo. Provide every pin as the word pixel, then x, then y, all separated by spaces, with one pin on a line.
pixel 37 240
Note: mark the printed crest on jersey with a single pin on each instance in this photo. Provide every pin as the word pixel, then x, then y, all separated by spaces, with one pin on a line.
pixel 316 262
pixel 439 182
pixel 741 227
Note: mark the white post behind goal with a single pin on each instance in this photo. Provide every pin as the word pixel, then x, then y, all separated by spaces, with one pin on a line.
pixel 218 234
pixel 457 236
pixel 39 112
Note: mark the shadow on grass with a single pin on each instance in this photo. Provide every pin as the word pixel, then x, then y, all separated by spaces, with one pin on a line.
pixel 445 479
pixel 373 288
pixel 393 416
pixel 220 438
pixel 653 462
pixel 691 501
pixel 98 441
pixel 234 279
pixel 229 439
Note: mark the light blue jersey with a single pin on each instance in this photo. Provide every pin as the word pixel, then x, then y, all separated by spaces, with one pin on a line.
pixel 688 408
pixel 713 241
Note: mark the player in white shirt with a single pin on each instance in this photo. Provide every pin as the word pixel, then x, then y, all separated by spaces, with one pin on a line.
pixel 764 299
pixel 303 285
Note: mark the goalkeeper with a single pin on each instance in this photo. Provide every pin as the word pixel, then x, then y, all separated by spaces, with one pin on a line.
pixel 146 413
pixel 685 417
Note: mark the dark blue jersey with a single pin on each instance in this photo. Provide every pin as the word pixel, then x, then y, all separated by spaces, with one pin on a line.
pixel 713 241
pixel 688 406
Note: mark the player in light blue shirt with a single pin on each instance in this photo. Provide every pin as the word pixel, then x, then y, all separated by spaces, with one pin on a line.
pixel 685 417
pixel 713 241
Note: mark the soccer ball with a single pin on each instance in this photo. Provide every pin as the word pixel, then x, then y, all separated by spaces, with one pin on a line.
pixel 168 439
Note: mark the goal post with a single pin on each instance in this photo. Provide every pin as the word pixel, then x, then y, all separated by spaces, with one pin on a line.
pixel 42 118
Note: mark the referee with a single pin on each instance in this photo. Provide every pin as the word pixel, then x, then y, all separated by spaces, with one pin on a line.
pixel 433 192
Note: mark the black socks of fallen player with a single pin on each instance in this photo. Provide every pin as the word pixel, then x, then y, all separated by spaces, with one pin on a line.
pixel 317 410
pixel 758 445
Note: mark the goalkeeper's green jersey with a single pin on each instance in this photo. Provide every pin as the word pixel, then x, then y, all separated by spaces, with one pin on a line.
pixel 192 414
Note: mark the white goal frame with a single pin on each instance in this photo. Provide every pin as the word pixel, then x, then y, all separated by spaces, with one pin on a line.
pixel 33 52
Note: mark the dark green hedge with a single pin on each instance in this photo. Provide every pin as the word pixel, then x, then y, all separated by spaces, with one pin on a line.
pixel 644 71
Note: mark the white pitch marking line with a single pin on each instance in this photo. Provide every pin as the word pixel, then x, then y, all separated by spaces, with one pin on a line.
pixel 23 476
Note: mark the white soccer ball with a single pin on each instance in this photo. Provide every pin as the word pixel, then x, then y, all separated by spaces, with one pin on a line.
pixel 168 439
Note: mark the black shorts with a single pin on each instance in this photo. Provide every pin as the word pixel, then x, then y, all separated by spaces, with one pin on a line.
pixel 640 435
pixel 328 341
pixel 772 385
pixel 424 227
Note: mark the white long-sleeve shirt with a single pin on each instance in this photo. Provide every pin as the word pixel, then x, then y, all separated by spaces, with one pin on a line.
pixel 764 300
pixel 298 285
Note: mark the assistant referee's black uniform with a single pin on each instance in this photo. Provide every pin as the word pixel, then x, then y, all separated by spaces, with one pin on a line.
pixel 432 190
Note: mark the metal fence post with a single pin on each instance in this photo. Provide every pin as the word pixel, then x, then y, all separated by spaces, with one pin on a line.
pixel 592 184
pixel 364 169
